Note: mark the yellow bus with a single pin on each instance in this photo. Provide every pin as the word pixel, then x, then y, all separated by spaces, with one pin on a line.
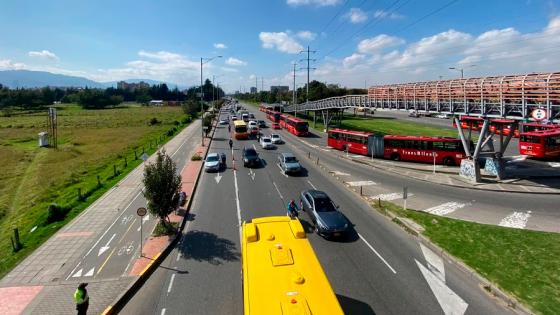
pixel 281 274
pixel 240 129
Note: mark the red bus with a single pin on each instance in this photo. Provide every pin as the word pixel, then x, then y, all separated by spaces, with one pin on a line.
pixel 295 126
pixel 543 144
pixel 536 126
pixel 353 141
pixel 502 126
pixel 474 123
pixel 273 116
pixel 448 151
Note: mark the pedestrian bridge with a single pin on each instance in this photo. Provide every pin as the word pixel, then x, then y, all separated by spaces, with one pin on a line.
pixel 510 96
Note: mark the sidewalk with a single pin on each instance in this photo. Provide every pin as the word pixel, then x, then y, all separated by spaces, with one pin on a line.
pixel 37 284
pixel 547 183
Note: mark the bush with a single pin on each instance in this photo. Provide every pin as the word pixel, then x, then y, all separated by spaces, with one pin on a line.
pixel 176 123
pixel 56 213
pixel 171 131
pixel 153 121
pixel 196 157
pixel 186 120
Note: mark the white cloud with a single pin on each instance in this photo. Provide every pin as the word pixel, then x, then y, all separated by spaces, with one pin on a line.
pixel 235 62
pixel 380 14
pixel 43 54
pixel 378 43
pixel 252 77
pixel 318 3
pixel 306 35
pixel 356 15
pixel 282 41
pixel 7 64
pixel 220 46
pixel 227 69
pixel 352 60
pixel 493 52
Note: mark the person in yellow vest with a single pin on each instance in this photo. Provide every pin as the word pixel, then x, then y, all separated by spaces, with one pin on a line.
pixel 82 299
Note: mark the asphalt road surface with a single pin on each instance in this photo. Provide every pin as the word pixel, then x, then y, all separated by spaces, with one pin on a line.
pixel 377 269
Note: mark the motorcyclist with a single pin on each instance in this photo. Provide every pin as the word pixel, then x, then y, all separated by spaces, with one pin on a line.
pixel 292 209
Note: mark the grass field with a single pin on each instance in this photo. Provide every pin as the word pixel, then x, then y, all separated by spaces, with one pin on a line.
pixel 521 262
pixel 91 144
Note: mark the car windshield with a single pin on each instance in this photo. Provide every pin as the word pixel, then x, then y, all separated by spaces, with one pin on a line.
pixel 250 153
pixel 324 204
pixel 212 158
pixel 290 159
pixel 275 136
pixel 266 140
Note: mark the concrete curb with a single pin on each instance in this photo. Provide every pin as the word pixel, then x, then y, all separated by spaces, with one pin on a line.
pixel 490 288
pixel 451 185
pixel 136 284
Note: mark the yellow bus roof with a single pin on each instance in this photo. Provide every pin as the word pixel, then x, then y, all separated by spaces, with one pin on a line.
pixel 239 123
pixel 281 274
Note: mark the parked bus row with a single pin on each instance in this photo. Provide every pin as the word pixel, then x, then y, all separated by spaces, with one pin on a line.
pixel 292 124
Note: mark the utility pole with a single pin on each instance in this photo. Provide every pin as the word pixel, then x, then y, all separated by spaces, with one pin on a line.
pixel 294 91
pixel 262 83
pixel 256 85
pixel 307 68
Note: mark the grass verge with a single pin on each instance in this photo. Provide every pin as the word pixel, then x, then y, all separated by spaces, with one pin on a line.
pixel 97 148
pixel 524 263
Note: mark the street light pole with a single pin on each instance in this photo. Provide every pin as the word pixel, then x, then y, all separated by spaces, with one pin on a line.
pixel 202 97
pixel 460 69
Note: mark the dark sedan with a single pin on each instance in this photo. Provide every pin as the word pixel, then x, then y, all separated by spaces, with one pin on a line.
pixel 250 157
pixel 324 214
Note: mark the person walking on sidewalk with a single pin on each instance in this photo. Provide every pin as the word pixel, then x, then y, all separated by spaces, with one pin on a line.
pixel 82 299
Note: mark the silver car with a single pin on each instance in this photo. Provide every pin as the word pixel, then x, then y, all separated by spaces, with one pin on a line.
pixel 212 163
pixel 289 163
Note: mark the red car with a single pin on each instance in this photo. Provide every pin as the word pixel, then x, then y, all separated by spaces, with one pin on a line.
pixel 276 126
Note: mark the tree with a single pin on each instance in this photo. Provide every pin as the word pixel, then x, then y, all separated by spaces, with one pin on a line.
pixel 162 183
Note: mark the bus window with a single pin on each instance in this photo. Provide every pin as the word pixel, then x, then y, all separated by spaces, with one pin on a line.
pixel 436 145
pixel 334 135
pixel 451 146
pixel 530 139
pixel 421 145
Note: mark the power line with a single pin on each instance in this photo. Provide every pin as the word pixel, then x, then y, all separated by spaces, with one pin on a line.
pixel 308 68
pixel 436 11
pixel 335 16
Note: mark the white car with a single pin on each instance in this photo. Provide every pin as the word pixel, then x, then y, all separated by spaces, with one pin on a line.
pixel 266 143
pixel 442 116
pixel 233 118
pixel 276 139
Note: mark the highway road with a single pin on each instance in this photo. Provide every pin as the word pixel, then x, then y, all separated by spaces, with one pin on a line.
pixel 376 269
pixel 112 254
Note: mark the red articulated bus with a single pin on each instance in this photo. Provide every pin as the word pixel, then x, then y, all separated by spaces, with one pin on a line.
pixel 448 151
pixel 273 116
pixel 353 141
pixel 542 144
pixel 502 126
pixel 536 126
pixel 295 126
pixel 466 122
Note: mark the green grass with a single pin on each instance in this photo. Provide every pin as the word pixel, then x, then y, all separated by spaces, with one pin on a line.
pixel 524 263
pixel 91 143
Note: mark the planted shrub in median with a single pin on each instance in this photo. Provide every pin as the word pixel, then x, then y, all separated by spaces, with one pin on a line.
pixel 56 213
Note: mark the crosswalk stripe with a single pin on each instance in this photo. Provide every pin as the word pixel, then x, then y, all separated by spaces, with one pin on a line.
pixel 516 220
pixel 389 197
pixel 361 183
pixel 445 208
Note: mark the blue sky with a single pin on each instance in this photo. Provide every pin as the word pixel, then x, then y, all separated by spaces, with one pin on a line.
pixel 357 41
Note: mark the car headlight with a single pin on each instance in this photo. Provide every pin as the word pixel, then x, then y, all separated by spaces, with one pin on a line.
pixel 345 225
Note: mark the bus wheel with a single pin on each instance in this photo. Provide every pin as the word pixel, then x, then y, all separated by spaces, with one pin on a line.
pixel 395 157
pixel 448 161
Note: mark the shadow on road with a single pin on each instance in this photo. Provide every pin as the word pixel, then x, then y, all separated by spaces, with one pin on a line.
pixel 352 306
pixel 204 246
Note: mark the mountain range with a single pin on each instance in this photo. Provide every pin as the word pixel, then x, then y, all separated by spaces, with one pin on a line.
pixel 36 79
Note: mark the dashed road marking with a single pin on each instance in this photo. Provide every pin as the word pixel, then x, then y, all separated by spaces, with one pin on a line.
pixel 90 272
pixel 517 220
pixel 361 183
pixel 309 182
pixel 389 197
pixel 357 156
pixel 77 274
pixel 337 173
pixel 278 190
pixel 170 284
pixel 445 208
pixel 376 253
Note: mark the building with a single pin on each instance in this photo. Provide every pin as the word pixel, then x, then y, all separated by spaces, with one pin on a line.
pixel 132 86
pixel 156 103
pixel 253 90
pixel 279 88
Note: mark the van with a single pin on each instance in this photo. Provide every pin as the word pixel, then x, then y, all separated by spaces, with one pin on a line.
pixel 245 117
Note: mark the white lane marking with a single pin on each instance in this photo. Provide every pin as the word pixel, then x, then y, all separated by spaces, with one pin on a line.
pixel 309 144
pixel 117 219
pixel 72 272
pixel 282 171
pixel 78 273
pixel 102 249
pixel 170 284
pixel 278 190
pixel 357 156
pixel 218 178
pixel 435 263
pixel 163 311
pixel 445 208
pixel 361 183
pixel 450 303
pixel 337 173
pixel 326 150
pixel 254 147
pixel 237 200
pixel 376 253
pixel 517 220
pixel 309 182
pixel 389 197
pixel 178 256
pixel 90 272
pixel 146 218
pixel 554 164
pixel 251 174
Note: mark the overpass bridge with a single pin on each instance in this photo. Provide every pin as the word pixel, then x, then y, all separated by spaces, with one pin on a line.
pixel 534 96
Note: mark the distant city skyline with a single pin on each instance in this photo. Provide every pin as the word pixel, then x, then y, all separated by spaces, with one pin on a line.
pixel 355 41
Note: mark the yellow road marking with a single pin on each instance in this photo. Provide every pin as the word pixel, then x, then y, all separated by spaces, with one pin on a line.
pixel 106 260
pixel 131 225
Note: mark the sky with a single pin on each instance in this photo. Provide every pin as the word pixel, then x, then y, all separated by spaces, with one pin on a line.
pixel 354 43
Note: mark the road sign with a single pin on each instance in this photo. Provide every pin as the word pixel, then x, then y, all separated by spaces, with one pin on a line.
pixel 141 211
pixel 539 114
pixel 144 157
